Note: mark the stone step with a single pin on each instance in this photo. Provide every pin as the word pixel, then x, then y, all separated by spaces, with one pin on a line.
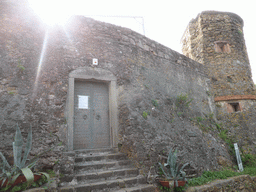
pixel 100 157
pixel 92 152
pixel 108 185
pixel 139 188
pixel 101 166
pixel 102 170
pixel 100 176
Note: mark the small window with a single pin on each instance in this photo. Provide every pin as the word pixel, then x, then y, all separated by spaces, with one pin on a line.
pixel 233 107
pixel 222 47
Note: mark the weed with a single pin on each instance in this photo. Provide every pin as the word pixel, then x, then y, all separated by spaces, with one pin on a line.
pixel 145 114
pixel 205 124
pixel 120 145
pixel 183 101
pixel 218 126
pixel 146 86
pixel 51 172
pixel 61 175
pixel 155 103
pixel 211 116
pixel 249 160
pixel 223 134
pixel 11 92
pixel 199 119
pixel 179 189
pixel 56 162
pixel 21 67
pixel 208 93
pixel 228 139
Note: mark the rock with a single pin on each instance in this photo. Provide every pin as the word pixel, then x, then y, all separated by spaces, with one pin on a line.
pixel 241 187
pixel 49 142
pixel 224 161
pixel 151 175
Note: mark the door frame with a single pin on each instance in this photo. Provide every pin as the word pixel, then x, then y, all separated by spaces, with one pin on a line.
pixel 97 75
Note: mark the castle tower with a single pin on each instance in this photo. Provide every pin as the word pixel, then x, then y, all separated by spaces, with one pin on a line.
pixel 216 40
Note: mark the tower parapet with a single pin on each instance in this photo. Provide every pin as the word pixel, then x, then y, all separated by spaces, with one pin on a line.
pixel 216 40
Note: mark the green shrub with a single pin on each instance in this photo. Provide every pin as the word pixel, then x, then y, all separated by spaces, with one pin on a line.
pixel 209 176
pixel 248 160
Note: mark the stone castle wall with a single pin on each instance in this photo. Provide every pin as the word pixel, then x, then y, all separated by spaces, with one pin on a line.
pixel 35 65
pixel 216 40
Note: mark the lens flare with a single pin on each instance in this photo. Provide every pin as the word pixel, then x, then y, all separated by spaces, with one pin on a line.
pixel 40 64
pixel 52 12
pixel 69 39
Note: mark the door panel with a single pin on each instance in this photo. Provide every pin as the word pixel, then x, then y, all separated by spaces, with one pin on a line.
pixel 91 115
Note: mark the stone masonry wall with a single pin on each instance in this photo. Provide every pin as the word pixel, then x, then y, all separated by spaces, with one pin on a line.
pixel 239 183
pixel 34 67
pixel 229 71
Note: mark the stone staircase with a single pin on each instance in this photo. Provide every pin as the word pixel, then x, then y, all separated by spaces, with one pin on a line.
pixel 103 170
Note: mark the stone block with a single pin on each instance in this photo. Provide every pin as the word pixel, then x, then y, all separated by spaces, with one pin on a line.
pixel 66 178
pixel 132 172
pixel 130 181
pixel 113 183
pixel 148 188
pixel 36 190
pixel 141 179
pixel 104 175
pixel 83 188
pixel 99 185
pixel 121 183
pixel 119 173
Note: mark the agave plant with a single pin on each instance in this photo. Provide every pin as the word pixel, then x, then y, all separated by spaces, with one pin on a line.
pixel 172 170
pixel 20 166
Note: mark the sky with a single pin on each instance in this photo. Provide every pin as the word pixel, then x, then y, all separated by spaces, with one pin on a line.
pixel 164 20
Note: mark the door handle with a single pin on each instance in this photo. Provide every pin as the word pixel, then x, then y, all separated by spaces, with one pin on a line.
pixel 97 117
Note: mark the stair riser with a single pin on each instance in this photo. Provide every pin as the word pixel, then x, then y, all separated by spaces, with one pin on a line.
pixel 139 188
pixel 110 185
pixel 87 168
pixel 94 151
pixel 103 166
pixel 94 177
pixel 100 158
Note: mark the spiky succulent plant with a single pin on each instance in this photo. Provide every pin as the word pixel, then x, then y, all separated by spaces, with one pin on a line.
pixel 20 166
pixel 172 170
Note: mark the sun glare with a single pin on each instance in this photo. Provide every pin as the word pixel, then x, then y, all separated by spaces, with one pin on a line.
pixel 52 12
